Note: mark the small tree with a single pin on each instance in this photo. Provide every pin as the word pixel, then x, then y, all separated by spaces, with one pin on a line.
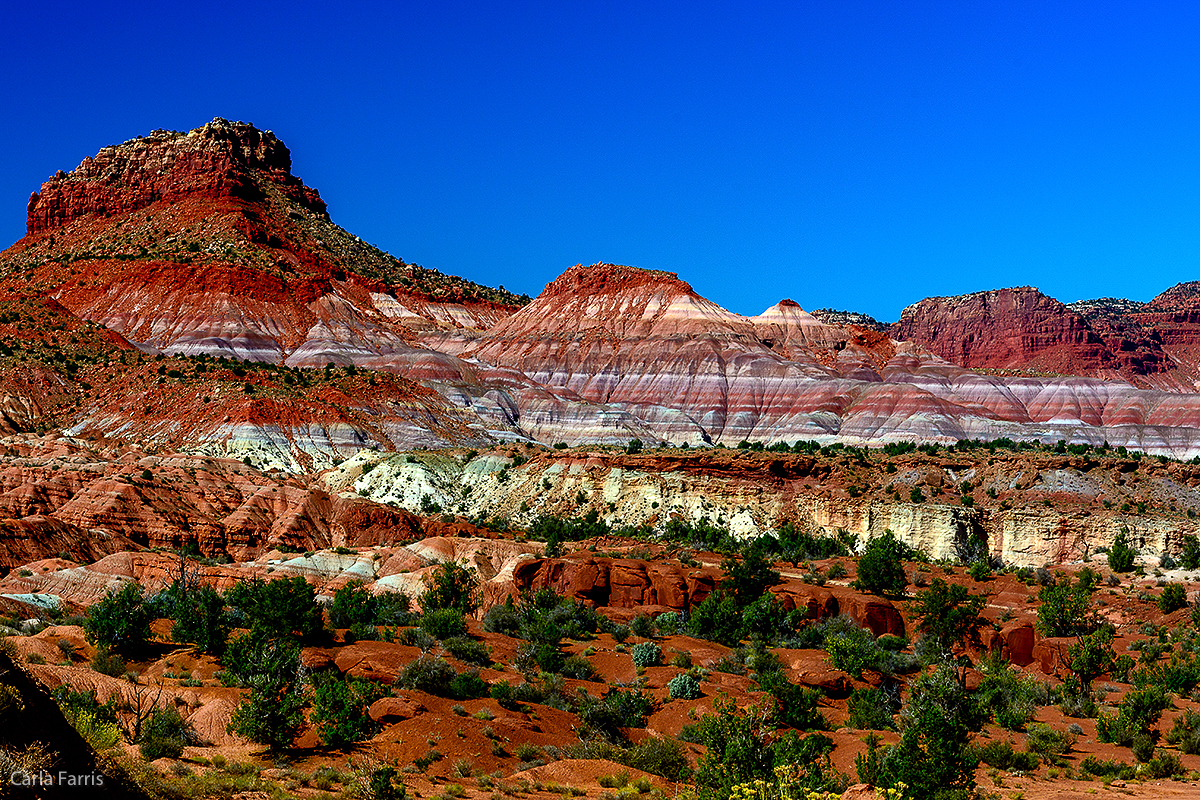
pixel 120 622
pixel 353 604
pixel 450 585
pixel 880 570
pixel 1064 609
pixel 1121 554
pixel 281 607
pixel 1189 557
pixel 1173 598
pixel 200 619
pixel 1091 656
pixel 949 615
pixel 340 709
pixel 273 714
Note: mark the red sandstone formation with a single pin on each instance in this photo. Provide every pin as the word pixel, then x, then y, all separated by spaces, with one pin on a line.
pixel 1020 329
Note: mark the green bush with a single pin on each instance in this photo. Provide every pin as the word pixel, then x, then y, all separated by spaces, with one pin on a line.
pixel 1048 744
pixel 933 757
pixel 428 674
pixel 718 618
pixel 683 687
pixel 853 650
pixel 1001 755
pixel 880 570
pixel 450 585
pixel 352 604
pixel 646 654
pixel 164 735
pixel 1189 557
pixel 1120 554
pixel 948 615
pixel 273 713
pixel 280 607
pixel 339 711
pixel 120 622
pixel 619 708
pixel 578 668
pixel 741 747
pixel 468 686
pixel 1173 598
pixel 870 710
pixel 1185 733
pixel 1064 609
pixel 108 663
pixel 467 649
pixel 796 706
pixel 1107 769
pixel 669 623
pixel 200 618
pixel 1138 712
pixel 444 623
pixel 1163 766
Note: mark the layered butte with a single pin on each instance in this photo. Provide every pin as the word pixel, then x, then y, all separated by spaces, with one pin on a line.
pixel 203 247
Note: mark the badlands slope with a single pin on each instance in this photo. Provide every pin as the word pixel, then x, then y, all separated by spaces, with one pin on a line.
pixel 204 244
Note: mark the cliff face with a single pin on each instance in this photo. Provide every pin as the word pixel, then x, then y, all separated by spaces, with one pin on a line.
pixel 1023 329
pixel 220 160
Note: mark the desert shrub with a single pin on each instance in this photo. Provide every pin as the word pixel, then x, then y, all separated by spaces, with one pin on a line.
pixel 1001 755
pixel 281 607
pixel 1120 554
pixel 1185 733
pixel 450 585
pixel 659 756
pixel 427 674
pixel 393 608
pixel 108 663
pixel 1143 747
pixel 1107 769
pixel 164 735
pixel 545 617
pixel 339 709
pixel 880 569
pixel 620 633
pixel 669 623
pixel 933 757
pixel 718 618
pixel 579 668
pixel 852 650
pixel 1138 712
pixel 468 686
pixel 683 687
pixel 980 571
pixel 1164 765
pixel 1173 598
pixel 619 708
pixel 467 649
pixel 795 706
pixel 1049 745
pixel 444 623
pixel 120 622
pixel 642 626
pixel 415 637
pixel 383 785
pixel 796 545
pixel 742 748
pixel 870 710
pixel 544 657
pixel 646 654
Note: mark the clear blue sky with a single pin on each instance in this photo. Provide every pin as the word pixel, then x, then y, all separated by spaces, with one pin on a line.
pixel 844 154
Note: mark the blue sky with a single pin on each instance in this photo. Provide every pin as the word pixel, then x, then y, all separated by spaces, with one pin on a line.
pixel 843 154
